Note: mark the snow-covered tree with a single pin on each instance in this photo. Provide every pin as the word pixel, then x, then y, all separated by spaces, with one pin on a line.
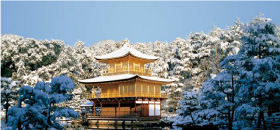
pixel 177 69
pixel 189 108
pixel 8 94
pixel 259 66
pixel 39 109
pixel 277 31
pixel 227 41
pixel 249 79
pixel 220 93
pixel 260 39
pixel 21 56
pixel 248 83
pixel 202 58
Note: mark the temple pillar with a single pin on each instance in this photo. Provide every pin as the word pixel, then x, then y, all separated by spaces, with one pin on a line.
pixel 130 110
pixel 135 107
pixel 159 108
pixel 154 107
pixel 116 111
pixel 93 108
pixel 119 108
pixel 85 112
pixel 142 108
pixel 100 108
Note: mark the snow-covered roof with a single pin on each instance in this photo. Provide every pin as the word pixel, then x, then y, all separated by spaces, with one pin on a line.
pixel 87 104
pixel 156 79
pixel 107 78
pixel 112 78
pixel 125 50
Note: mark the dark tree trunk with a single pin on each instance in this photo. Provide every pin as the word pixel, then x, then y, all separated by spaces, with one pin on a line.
pixel 49 116
pixel 6 117
pixel 173 108
pixel 217 60
pixel 259 51
pixel 19 124
pixel 19 121
pixel 192 118
pixel 261 120
pixel 229 120
pixel 261 115
pixel 230 125
pixel 48 122
pixel 191 115
pixel 264 122
pixel 6 108
pixel 230 115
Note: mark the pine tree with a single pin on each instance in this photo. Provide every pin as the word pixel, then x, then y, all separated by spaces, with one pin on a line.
pixel 259 65
pixel 8 94
pixel 189 108
pixel 39 110
pixel 201 58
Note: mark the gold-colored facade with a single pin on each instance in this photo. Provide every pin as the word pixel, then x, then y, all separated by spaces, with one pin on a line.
pixel 132 88
pixel 134 96
pixel 126 65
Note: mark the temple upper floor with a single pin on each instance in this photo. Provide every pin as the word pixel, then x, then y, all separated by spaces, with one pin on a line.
pixel 126 65
pixel 126 61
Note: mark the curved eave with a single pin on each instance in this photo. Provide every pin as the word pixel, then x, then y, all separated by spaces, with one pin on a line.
pixel 124 77
pixel 106 59
pixel 124 51
pixel 156 79
pixel 100 82
pixel 106 79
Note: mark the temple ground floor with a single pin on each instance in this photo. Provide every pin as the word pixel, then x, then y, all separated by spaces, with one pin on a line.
pixel 123 109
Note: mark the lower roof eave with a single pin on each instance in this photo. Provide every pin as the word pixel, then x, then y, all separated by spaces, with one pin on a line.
pixel 124 77
pixel 123 98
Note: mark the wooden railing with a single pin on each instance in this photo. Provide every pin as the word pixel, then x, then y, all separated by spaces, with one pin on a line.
pixel 114 114
pixel 118 95
pixel 144 72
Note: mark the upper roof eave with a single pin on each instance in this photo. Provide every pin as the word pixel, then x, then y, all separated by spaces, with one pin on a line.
pixel 124 51
pixel 105 60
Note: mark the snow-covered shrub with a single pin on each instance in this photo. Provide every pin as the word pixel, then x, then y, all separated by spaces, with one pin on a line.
pixel 40 110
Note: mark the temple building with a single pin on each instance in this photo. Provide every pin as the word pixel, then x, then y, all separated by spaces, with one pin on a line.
pixel 126 87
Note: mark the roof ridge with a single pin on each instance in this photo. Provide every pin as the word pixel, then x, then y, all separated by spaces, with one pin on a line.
pixel 123 51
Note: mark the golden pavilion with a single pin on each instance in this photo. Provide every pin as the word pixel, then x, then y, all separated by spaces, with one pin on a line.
pixel 126 87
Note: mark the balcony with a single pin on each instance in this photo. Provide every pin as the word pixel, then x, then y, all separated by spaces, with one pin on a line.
pixel 117 95
pixel 143 72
